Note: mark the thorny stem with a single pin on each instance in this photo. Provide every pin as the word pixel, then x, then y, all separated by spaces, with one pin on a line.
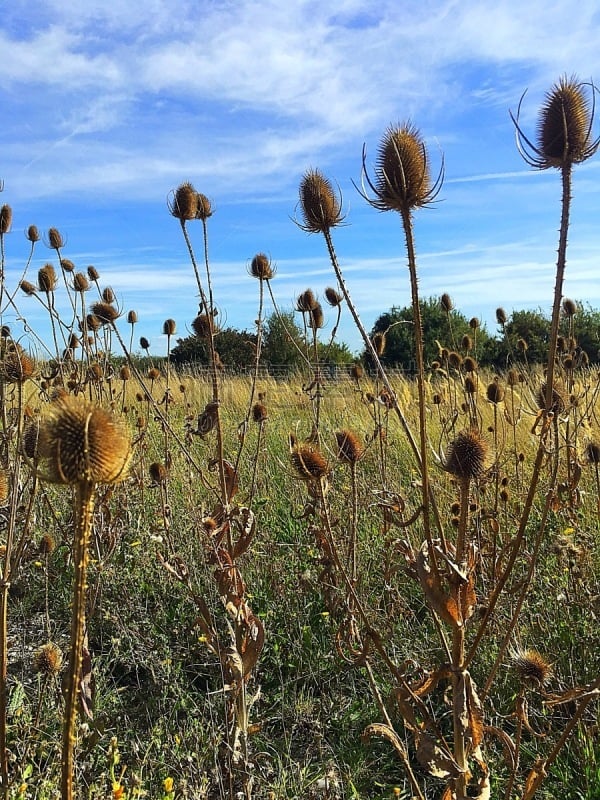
pixel 84 510
pixel 458 641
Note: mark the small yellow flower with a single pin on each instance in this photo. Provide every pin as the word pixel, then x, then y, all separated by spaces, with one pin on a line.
pixel 23 788
pixel 118 790
pixel 168 784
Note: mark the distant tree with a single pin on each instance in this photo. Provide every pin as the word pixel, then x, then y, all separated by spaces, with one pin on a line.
pixel 440 328
pixel 235 348
pixel 283 340
pixel 586 329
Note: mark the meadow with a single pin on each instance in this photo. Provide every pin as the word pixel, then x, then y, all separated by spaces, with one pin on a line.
pixel 233 587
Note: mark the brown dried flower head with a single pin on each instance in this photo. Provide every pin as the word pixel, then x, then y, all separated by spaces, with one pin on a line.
pixel 261 267
pixel 47 280
pixel 259 413
pixel 446 303
pixel 28 287
pixel 125 373
pixel 144 343
pixel 55 239
pixel 158 473
pixel 108 296
pixel 350 449
pixel 495 392
pixel 466 456
pixel 80 282
pixel 321 207
pixel 592 452
pixel 5 219
pixel 169 327
pixel 306 301
pixel 531 667
pixel 47 545
pixel 564 134
pixel 357 371
pixel 184 204
pixel 569 307
pixel 93 273
pixel 105 312
pixel 558 402
pixel 82 443
pixel 333 297
pixel 47 660
pixel 203 325
pixel 402 181
pixel 132 317
pixel 379 342
pixel 33 235
pixel 309 462
pixel 316 317
pixel 204 210
pixel 501 316
pixel 17 366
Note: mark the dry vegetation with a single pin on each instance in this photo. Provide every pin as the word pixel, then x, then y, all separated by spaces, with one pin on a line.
pixel 237 588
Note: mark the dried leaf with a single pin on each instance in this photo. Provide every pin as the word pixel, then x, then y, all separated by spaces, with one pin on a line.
pixel 510 751
pixel 534 779
pixel 469 709
pixel 577 693
pixel 245 519
pixel 444 605
pixel 87 684
pixel 253 643
pixel 435 758
pixel 379 729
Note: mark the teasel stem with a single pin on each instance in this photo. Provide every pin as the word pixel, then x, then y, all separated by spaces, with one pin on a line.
pixel 84 512
pixel 209 308
pixel 385 380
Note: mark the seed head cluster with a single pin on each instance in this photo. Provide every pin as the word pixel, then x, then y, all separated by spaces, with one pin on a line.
pixel 466 456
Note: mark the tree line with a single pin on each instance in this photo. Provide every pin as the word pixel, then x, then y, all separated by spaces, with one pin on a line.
pixel 521 337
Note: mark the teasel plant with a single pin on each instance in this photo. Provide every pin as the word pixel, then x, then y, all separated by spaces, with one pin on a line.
pixel 82 446
pixel 228 530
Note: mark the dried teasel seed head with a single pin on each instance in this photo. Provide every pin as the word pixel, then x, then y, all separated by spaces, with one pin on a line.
pixel 501 316
pixel 80 442
pixel 259 413
pixel 93 273
pixel 55 239
pixel 204 210
pixel 28 287
pixel 379 342
pixel 504 495
pixel 522 345
pixel 80 282
pixel 309 462
pixel 512 377
pixel 47 280
pixel 67 265
pixel 446 303
pixel 470 385
pixel 158 473
pixel 5 219
pixel 531 667
pixel 321 207
pixel 184 204
pixel 402 181
pixel 30 439
pixel 169 327
pixel 132 317
pixel 357 371
pixel 33 235
pixel 454 359
pixel 469 364
pixel 153 374
pixel 569 307
pixel 108 296
pixel 203 325
pixel 261 267
pixel 333 297
pixel 350 449
pixel 437 399
pixel 495 392
pixel 558 401
pixel 144 343
pixel 316 317
pixel 93 323
pixel 125 373
pixel 306 301
pixel 47 545
pixel 17 366
pixel 466 456
pixel 565 125
pixel 48 660
pixel 105 312
pixel 466 342
pixel 592 452
pixel 474 323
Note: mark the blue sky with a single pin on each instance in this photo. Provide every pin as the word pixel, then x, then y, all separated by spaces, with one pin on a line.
pixel 107 107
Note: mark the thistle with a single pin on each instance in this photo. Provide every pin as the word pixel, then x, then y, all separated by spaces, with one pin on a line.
pixel 321 207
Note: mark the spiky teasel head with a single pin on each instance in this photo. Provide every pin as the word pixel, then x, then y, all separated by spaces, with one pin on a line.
pixel 203 326
pixel 47 660
pixel 5 219
pixel 261 267
pixel 17 366
pixel 80 282
pixel 184 203
pixel 402 181
pixel 55 239
pixel 309 462
pixel 495 392
pixel 357 371
pixel 564 134
pixel 321 207
pixel 316 317
pixel 259 413
pixel 82 443
pixel 158 473
pixel 350 450
pixel 379 342
pixel 47 545
pixel 28 287
pixel 33 235
pixel 501 316
pixel 531 667
pixel 466 456
pixel 93 273
pixel 333 297
pixel 105 312
pixel 446 303
pixel 204 209
pixel 558 401
pixel 47 280
pixel 306 301
pixel 569 307
pixel 169 327
pixel 592 453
